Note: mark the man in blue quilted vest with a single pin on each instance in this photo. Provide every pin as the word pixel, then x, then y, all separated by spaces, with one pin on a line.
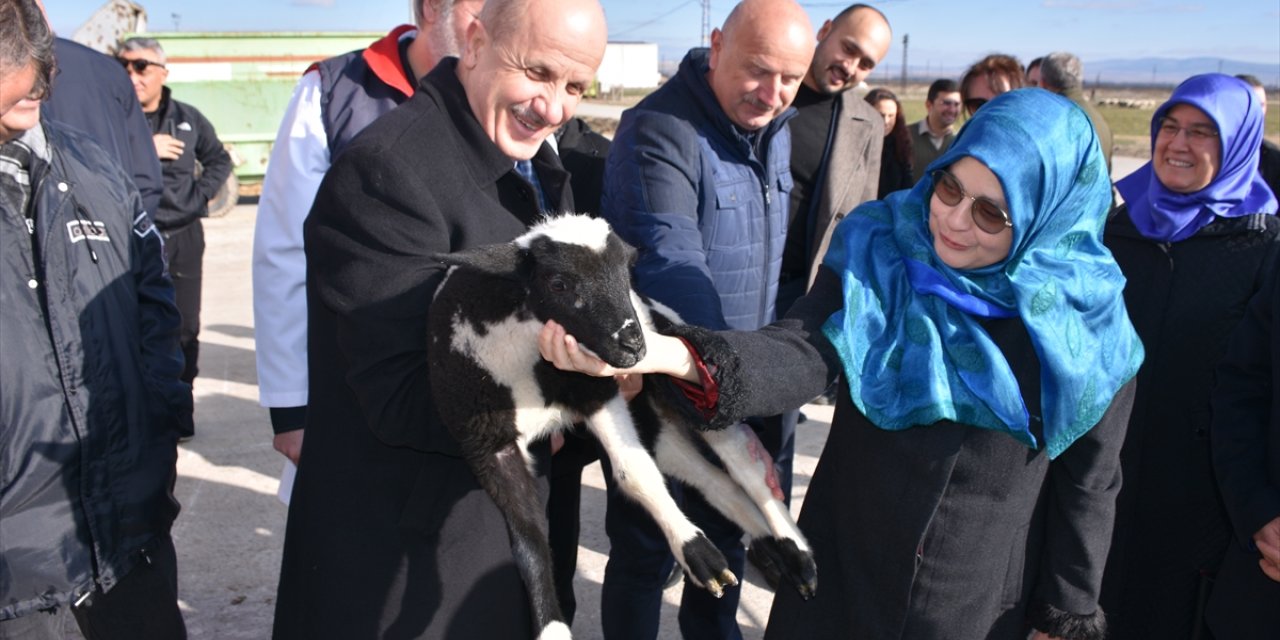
pixel 698 179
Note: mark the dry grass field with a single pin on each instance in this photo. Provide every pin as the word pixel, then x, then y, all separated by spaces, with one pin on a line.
pixel 1130 126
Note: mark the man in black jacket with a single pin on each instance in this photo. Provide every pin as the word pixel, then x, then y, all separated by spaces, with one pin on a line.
pixel 90 399
pixel 389 533
pixel 1246 456
pixel 195 165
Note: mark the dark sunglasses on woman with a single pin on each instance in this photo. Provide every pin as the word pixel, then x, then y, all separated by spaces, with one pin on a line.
pixel 988 215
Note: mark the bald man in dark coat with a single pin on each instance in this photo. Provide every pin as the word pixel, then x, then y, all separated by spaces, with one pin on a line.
pixel 389 533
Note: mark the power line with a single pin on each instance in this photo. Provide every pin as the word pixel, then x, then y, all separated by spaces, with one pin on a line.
pixel 653 20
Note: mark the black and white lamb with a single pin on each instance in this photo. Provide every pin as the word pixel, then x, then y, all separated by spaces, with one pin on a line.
pixel 498 395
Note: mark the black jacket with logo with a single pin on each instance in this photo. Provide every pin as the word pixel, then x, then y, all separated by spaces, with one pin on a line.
pixel 90 399
pixel 188 189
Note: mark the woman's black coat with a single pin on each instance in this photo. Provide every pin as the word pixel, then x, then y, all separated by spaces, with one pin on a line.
pixel 1185 299
pixel 944 531
pixel 1245 604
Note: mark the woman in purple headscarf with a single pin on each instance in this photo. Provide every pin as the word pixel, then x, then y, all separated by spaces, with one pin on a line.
pixel 1194 238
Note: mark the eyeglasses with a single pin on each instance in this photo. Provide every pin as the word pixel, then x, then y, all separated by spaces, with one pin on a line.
pixel 973 104
pixel 138 65
pixel 986 213
pixel 1195 133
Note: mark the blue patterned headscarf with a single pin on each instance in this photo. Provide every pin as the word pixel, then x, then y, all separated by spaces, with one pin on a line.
pixel 1236 190
pixel 909 335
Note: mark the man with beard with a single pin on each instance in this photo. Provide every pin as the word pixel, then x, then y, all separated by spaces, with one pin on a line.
pixel 836 142
pixel 389 532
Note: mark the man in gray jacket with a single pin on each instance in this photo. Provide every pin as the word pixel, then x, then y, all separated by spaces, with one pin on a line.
pixel 836 140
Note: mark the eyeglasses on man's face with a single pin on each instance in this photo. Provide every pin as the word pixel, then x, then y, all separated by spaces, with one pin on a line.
pixel 987 215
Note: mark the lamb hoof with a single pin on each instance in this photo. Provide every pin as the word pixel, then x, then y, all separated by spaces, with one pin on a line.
pixel 706 566
pixel 555 631
pixel 786 561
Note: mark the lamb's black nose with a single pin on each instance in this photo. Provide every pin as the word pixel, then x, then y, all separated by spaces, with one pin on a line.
pixel 631 339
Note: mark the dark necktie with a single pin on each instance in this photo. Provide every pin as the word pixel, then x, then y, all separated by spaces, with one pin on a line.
pixel 525 169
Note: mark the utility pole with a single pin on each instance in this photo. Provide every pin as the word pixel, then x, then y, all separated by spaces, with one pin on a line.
pixel 706 22
pixel 905 38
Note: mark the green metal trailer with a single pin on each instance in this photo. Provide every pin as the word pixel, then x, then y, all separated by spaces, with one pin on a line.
pixel 242 81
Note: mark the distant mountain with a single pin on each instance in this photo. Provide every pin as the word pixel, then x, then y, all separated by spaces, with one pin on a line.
pixel 1170 71
pixel 1137 71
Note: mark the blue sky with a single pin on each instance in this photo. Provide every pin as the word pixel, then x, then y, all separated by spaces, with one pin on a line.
pixel 947 33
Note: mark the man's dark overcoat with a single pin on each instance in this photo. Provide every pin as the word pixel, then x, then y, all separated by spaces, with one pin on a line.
pixel 389 534
pixel 1171 530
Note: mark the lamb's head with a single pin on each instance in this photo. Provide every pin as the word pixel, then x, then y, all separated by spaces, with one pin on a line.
pixel 577 272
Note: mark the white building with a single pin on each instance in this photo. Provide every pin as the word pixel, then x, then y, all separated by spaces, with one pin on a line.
pixel 629 65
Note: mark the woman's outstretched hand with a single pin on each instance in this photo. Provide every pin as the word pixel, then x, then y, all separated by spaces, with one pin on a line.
pixel 664 354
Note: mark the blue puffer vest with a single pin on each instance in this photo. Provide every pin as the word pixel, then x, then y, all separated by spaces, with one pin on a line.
pixel 360 86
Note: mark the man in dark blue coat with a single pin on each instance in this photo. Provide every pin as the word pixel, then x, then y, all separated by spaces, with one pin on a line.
pixel 698 179
pixel 93 94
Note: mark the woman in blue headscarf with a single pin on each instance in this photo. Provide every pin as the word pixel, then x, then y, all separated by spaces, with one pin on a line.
pixel 967 484
pixel 1195 237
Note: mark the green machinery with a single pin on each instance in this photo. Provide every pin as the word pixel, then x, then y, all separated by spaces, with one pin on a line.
pixel 242 81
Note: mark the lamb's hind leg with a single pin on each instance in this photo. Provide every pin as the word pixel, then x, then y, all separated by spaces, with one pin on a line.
pixel 680 458
pixel 506 478
pixel 638 477
pixel 745 460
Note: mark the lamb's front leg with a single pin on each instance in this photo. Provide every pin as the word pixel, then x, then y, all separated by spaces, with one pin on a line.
pixel 638 477
pixel 505 476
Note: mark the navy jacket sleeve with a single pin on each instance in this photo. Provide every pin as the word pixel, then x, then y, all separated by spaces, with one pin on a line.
pixel 158 321
pixel 652 197
pixel 140 158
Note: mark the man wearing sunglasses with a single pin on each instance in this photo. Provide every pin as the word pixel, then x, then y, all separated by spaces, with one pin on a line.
pixel 989 77
pixel 194 165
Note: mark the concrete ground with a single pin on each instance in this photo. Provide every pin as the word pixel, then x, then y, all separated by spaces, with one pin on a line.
pixel 231 529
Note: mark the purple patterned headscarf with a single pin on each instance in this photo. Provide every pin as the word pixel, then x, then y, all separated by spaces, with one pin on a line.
pixel 1237 189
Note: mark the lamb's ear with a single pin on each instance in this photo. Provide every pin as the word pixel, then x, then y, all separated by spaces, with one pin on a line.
pixel 505 260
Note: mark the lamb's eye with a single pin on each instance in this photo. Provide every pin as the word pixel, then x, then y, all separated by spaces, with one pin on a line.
pixel 558 285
